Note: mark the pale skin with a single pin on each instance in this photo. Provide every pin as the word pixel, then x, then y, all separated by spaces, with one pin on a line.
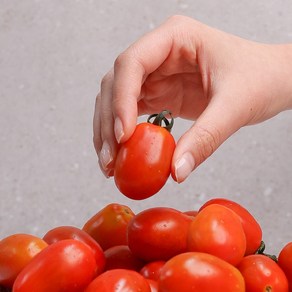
pixel 220 81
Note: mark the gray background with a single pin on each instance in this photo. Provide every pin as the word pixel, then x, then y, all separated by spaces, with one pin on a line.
pixel 53 55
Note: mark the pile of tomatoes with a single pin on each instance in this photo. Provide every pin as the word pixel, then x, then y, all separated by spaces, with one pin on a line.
pixel 216 248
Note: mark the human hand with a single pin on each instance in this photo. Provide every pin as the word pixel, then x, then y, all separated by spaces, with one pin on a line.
pixel 220 81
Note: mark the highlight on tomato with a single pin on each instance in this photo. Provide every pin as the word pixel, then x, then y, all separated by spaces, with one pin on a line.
pixel 158 233
pixel 119 280
pixel 71 232
pixel 143 162
pixel 217 230
pixel 195 271
pixel 261 273
pixel 68 265
pixel 16 251
pixel 251 227
pixel 109 225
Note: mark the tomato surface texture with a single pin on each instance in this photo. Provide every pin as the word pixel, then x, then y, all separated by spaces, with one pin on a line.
pixel 193 271
pixel 158 233
pixel 217 230
pixel 16 251
pixel 68 265
pixel 251 227
pixel 262 274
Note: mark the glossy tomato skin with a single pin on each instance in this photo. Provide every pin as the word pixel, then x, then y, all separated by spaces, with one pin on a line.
pixel 158 233
pixel 109 226
pixel 194 271
pixel 152 270
pixel 285 262
pixel 262 274
pixel 153 285
pixel 143 163
pixel 16 251
pixel 251 227
pixel 71 232
pixel 119 280
pixel 121 257
pixel 217 230
pixel 66 265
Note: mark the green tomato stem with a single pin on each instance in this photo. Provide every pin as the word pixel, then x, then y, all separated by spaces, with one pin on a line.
pixel 160 118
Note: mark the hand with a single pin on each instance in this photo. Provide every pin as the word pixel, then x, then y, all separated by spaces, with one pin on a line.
pixel 220 81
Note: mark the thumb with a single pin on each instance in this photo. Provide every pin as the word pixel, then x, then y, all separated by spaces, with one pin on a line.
pixel 213 127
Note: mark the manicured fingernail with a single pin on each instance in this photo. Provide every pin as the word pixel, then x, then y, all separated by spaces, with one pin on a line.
pixel 119 131
pixel 105 155
pixel 184 166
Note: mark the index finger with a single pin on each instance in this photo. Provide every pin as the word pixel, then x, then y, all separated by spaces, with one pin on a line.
pixel 130 71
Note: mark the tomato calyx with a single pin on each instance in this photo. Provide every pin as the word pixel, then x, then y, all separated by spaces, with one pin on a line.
pixel 261 250
pixel 160 118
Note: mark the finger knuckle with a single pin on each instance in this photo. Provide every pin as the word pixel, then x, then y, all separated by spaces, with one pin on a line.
pixel 207 141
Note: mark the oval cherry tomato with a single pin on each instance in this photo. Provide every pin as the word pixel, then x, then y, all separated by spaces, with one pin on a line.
pixel 119 280
pixel 285 262
pixel 16 251
pixel 262 274
pixel 158 233
pixel 109 226
pixel 218 230
pixel 121 257
pixel 66 265
pixel 71 232
pixel 143 163
pixel 194 271
pixel 152 270
pixel 251 227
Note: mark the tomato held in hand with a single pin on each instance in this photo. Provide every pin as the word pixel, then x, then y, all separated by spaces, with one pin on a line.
pixel 66 265
pixel 158 233
pixel 251 227
pixel 16 251
pixel 217 230
pixel 109 226
pixel 285 262
pixel 194 271
pixel 119 280
pixel 143 163
pixel 261 273
pixel 71 232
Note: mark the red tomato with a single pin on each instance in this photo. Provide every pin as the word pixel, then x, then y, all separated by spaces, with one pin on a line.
pixel 285 262
pixel 152 270
pixel 71 232
pixel 217 230
pixel 119 280
pixel 194 271
pixel 120 257
pixel 262 274
pixel 109 226
pixel 66 265
pixel 16 251
pixel 143 163
pixel 158 233
pixel 153 285
pixel 251 227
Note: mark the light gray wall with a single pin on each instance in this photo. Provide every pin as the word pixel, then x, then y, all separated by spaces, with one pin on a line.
pixel 53 55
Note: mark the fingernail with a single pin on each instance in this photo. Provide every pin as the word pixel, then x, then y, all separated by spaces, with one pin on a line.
pixel 106 172
pixel 105 155
pixel 119 131
pixel 184 166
